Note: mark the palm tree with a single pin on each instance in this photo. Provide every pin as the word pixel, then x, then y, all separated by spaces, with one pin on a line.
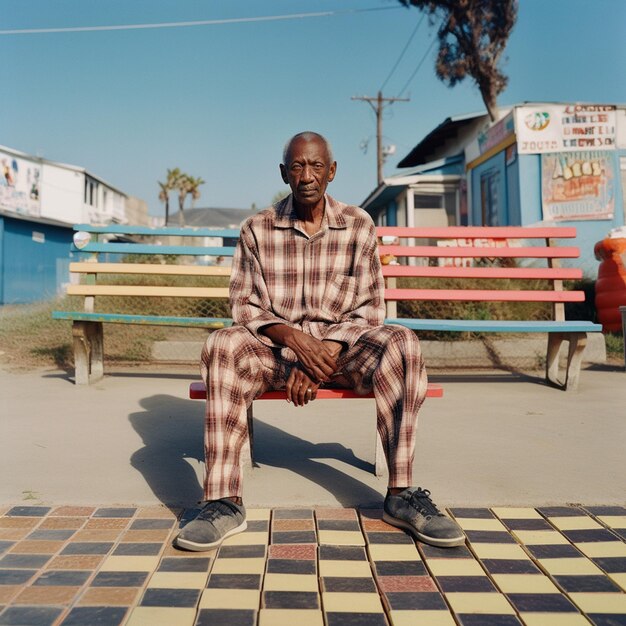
pixel 170 184
pixel 186 185
pixel 164 196
pixel 193 184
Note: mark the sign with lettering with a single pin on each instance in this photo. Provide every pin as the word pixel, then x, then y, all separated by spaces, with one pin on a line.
pixel 565 127
pixel 577 186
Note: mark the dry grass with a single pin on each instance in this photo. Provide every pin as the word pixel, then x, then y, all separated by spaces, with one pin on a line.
pixel 446 309
pixel 29 337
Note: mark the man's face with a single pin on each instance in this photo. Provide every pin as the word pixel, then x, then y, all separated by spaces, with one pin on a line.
pixel 308 171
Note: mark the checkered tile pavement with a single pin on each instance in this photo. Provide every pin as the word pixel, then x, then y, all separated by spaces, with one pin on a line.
pixel 87 566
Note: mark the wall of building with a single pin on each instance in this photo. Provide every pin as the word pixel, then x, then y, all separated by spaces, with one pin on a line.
pixel 62 192
pixel 39 188
pixel 34 260
pixel 136 211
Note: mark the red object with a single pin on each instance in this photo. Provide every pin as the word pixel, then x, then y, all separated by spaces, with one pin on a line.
pixel 197 391
pixel 611 283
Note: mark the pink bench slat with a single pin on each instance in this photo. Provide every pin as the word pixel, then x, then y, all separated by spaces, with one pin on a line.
pixel 478 232
pixel 484 295
pixel 197 391
pixel 532 273
pixel 532 252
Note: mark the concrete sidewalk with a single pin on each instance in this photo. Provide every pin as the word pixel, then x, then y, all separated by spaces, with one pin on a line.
pixel 495 439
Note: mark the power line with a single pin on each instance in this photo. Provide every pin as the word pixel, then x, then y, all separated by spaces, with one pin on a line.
pixel 408 43
pixel 216 22
pixel 378 109
pixel 412 76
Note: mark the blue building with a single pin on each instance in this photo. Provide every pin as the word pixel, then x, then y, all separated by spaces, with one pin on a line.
pixel 538 164
pixel 34 258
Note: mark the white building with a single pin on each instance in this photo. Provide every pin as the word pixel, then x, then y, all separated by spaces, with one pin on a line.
pixel 37 187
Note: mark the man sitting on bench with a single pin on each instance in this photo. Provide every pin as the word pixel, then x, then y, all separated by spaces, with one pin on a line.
pixel 307 297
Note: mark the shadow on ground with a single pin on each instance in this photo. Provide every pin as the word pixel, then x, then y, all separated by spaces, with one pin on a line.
pixel 172 432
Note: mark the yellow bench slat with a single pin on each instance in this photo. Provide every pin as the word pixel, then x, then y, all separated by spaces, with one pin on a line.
pixel 149 268
pixel 148 291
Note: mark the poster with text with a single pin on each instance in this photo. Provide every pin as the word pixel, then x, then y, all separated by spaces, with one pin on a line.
pixel 20 182
pixel 566 127
pixel 577 186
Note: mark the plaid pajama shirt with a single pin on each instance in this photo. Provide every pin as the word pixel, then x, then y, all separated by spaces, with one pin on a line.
pixel 330 286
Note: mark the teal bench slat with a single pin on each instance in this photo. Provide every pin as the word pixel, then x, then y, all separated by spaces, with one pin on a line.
pixel 497 326
pixel 188 231
pixel 151 320
pixel 139 248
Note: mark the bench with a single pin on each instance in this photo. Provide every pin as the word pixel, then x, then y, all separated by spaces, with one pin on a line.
pixel 499 255
pixel 114 265
pixel 495 254
pixel 197 391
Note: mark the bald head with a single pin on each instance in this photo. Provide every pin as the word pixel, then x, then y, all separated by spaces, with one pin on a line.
pixel 307 136
pixel 307 168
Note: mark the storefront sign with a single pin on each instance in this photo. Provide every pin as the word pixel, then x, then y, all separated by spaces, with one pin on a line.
pixel 577 186
pixel 567 127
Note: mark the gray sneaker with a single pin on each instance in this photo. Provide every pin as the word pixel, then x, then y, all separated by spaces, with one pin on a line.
pixel 217 520
pixel 414 511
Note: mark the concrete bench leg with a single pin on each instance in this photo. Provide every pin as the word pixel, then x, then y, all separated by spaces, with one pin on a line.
pixel 577 343
pixel 88 351
pixel 247 459
pixel 380 462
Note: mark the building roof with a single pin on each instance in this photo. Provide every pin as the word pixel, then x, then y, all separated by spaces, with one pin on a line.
pixel 440 171
pixel 446 130
pixel 213 217
pixel 451 126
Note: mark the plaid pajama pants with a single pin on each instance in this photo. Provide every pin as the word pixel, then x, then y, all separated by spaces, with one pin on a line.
pixel 237 368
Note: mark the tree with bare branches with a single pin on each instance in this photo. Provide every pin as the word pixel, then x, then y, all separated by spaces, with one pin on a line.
pixel 472 37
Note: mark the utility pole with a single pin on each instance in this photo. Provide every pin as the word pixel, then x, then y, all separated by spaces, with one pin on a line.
pixel 378 104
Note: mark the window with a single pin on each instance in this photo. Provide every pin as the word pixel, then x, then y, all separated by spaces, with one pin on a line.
pixel 91 192
pixel 489 198
pixel 427 201
pixel 439 202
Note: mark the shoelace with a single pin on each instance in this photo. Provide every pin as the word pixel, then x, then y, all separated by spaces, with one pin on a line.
pixel 213 510
pixel 420 500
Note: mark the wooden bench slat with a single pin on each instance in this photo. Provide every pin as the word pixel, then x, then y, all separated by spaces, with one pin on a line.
pixel 86 267
pixel 143 248
pixel 497 326
pixel 197 391
pixel 444 252
pixel 478 232
pixel 148 320
pixel 531 273
pixel 147 291
pixel 484 295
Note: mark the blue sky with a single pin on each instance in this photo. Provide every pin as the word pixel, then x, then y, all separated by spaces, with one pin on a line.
pixel 219 101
